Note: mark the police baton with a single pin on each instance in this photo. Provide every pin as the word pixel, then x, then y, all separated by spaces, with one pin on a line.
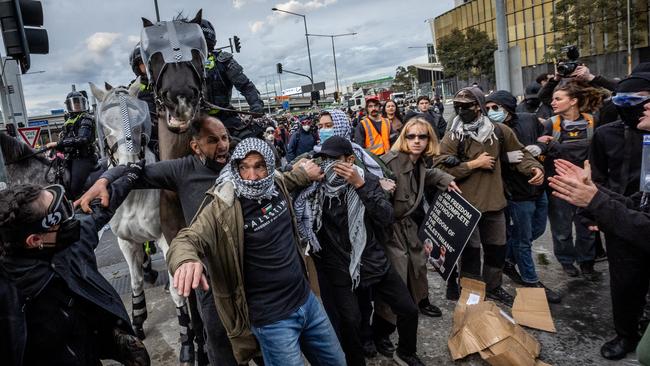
pixel 216 107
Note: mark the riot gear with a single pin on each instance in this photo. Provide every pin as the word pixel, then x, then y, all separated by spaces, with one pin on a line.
pixel 209 34
pixel 76 102
pixel 135 59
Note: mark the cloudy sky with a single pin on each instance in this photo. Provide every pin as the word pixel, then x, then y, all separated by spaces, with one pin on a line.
pixel 90 40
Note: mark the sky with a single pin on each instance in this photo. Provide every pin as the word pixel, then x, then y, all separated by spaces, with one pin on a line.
pixel 90 40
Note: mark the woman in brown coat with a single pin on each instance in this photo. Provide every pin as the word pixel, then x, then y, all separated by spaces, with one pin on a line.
pixel 408 255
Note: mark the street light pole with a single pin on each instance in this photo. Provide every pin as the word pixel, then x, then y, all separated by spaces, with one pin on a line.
pixel 304 18
pixel 629 41
pixel 336 74
pixel 155 3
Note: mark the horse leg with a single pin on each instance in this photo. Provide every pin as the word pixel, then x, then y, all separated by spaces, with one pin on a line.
pixel 134 254
pixel 149 274
pixel 186 354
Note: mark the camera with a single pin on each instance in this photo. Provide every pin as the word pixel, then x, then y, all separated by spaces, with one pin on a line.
pixel 567 67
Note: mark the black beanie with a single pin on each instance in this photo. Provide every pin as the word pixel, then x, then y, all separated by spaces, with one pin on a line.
pixel 504 99
pixel 636 82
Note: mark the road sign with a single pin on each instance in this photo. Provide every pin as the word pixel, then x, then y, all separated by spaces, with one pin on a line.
pixel 317 87
pixel 29 135
pixel 292 91
pixel 285 104
pixel 38 123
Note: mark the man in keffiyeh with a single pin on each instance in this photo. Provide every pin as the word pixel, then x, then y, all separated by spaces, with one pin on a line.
pixel 343 218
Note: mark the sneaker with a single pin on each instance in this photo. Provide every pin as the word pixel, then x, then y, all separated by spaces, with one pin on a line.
pixel 403 359
pixel 552 296
pixel 588 271
pixel 500 295
pixel 385 346
pixel 570 269
pixel 510 270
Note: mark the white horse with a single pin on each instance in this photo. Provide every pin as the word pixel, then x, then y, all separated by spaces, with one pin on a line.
pixel 137 220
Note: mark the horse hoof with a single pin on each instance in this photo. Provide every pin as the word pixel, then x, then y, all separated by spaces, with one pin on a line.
pixel 151 277
pixel 186 355
pixel 139 332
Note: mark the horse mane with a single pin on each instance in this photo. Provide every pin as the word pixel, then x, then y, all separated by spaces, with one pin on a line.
pixel 180 17
pixel 12 149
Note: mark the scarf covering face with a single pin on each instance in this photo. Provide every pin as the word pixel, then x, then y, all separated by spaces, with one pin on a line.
pixel 480 130
pixel 309 213
pixel 251 189
pixel 343 128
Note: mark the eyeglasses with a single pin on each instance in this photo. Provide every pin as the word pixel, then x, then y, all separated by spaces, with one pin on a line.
pixel 412 136
pixel 494 108
pixel 629 99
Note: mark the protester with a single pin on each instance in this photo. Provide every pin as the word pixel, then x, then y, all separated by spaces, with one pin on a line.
pixel 532 104
pixel 348 211
pixel 471 152
pixel 615 158
pixel 249 224
pixel 436 120
pixel 404 248
pixel 373 131
pixel 527 204
pixel 438 105
pixel 62 310
pixel 568 135
pixel 302 140
pixel 391 112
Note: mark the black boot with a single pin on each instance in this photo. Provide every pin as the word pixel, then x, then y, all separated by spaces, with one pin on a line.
pixel 186 354
pixel 617 348
pixel 129 350
pixel 404 359
pixel 428 309
pixel 385 346
pixel 588 271
pixel 139 314
pixel 552 296
pixel 510 270
pixel 500 295
pixel 453 290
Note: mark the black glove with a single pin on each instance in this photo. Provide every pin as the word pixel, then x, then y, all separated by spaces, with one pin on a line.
pixel 451 161
pixel 133 171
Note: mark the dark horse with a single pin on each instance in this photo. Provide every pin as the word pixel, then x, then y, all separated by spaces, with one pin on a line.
pixel 26 165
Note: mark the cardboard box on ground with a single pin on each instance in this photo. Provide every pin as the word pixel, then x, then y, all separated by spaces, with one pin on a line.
pixel 480 326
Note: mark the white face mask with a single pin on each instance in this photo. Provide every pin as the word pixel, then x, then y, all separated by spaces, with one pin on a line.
pixel 269 136
pixel 306 127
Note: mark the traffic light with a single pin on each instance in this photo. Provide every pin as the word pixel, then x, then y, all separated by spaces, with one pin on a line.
pixel 237 44
pixel 315 95
pixel 279 67
pixel 336 96
pixel 21 22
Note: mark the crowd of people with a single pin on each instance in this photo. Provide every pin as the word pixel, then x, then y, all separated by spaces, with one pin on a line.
pixel 302 239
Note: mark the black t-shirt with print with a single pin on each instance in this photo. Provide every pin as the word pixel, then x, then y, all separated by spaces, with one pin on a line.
pixel 273 274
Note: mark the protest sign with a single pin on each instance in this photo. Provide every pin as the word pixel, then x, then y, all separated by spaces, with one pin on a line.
pixel 447 227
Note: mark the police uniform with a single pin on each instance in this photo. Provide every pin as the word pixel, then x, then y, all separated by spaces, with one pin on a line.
pixel 77 142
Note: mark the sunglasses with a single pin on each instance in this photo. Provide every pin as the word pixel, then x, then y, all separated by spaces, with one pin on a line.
pixel 494 108
pixel 412 136
pixel 459 105
pixel 629 99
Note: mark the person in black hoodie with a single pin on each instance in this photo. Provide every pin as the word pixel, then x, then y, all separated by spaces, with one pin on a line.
pixel 527 204
pixel 61 310
pixel 615 159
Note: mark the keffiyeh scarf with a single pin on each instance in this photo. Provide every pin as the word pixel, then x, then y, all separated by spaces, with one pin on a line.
pixel 480 130
pixel 251 189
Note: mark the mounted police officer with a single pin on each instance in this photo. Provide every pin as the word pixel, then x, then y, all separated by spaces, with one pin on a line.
pixel 77 142
pixel 145 94
pixel 222 73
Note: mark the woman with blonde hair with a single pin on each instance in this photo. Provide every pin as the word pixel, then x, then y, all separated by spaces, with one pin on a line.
pixel 408 255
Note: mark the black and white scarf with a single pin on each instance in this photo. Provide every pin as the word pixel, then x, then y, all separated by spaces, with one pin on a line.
pixel 251 189
pixel 481 130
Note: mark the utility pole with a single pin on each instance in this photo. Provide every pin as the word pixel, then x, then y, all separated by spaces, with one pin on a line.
pixel 501 59
pixel 155 3
pixel 629 40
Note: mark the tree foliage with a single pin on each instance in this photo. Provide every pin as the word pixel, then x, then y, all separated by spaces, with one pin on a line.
pixel 467 55
pixel 587 24
pixel 404 78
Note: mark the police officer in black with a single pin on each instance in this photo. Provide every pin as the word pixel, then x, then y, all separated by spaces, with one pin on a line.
pixel 222 73
pixel 77 142
pixel 145 94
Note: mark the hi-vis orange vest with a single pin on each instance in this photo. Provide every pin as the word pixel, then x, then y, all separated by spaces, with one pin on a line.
pixel 376 143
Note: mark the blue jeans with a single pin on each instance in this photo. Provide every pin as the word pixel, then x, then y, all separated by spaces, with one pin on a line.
pixel 526 222
pixel 562 217
pixel 307 330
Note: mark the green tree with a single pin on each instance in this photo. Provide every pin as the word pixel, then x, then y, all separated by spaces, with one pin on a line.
pixel 404 77
pixel 467 55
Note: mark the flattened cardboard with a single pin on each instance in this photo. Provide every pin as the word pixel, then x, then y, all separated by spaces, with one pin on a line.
pixel 479 327
pixel 531 309
pixel 471 287
pixel 508 352
pixel 541 363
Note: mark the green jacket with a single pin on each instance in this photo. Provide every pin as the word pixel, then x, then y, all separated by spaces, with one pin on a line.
pixel 217 233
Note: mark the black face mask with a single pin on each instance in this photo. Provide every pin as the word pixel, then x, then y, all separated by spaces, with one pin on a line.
pixel 631 115
pixel 68 233
pixel 214 165
pixel 533 103
pixel 467 115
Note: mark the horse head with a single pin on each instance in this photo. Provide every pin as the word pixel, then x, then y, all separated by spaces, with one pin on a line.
pixel 174 53
pixel 124 121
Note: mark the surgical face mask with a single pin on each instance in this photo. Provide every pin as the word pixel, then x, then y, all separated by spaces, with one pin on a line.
pixel 325 133
pixel 467 115
pixel 306 128
pixel 498 115
pixel 269 136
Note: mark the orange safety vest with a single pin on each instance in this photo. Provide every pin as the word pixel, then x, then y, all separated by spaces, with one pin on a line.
pixel 376 143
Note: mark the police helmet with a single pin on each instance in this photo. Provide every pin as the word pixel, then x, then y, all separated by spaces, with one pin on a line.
pixel 135 59
pixel 209 34
pixel 76 102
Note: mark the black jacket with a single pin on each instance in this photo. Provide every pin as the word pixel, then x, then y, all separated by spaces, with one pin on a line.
pixel 436 121
pixel 223 72
pixel 78 137
pixel 71 274
pixel 527 128
pixel 378 217
pixel 615 157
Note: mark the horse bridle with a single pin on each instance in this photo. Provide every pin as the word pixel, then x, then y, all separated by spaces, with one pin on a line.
pixel 126 128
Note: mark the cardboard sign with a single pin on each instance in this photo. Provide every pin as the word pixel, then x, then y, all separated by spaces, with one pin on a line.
pixel 447 227
pixel 30 135
pixel 531 309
